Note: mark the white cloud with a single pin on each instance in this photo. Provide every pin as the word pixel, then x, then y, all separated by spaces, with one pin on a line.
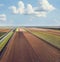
pixel 40 11
pixel 21 7
pixel 19 10
pixel 2 17
pixel 40 14
pixel 45 5
pixel 14 9
pixel 30 9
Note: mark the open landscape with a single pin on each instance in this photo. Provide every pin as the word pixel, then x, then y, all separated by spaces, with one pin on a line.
pixel 30 45
pixel 29 30
pixel 3 31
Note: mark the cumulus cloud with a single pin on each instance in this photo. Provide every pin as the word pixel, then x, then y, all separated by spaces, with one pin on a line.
pixel 2 17
pixel 40 11
pixel 45 5
pixel 40 14
pixel 14 10
pixel 20 8
pixel 30 9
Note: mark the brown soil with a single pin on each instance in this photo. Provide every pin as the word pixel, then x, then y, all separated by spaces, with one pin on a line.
pixel 46 52
pixel 55 32
pixel 24 47
pixel 5 30
pixel 19 50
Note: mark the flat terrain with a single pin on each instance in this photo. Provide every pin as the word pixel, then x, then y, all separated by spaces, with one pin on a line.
pixel 4 30
pixel 24 47
pixel 56 32
pixel 50 36
pixel 2 33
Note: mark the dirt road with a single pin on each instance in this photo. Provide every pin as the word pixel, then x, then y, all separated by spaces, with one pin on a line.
pixel 24 47
pixel 45 52
pixel 20 50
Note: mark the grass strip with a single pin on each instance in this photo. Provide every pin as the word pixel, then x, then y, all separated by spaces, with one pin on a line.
pixel 50 38
pixel 3 43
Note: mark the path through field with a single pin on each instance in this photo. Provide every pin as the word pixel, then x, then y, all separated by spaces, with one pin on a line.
pixel 24 47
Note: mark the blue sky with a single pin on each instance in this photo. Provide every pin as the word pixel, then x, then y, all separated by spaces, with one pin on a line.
pixel 29 12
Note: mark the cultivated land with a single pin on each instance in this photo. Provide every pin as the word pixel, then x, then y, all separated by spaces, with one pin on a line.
pixel 2 33
pixel 56 32
pixel 25 47
pixel 5 40
pixel 50 36
pixel 4 30
pixel 5 35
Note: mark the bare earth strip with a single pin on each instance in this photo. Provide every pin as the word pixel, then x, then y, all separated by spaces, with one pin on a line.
pixel 24 47
pixel 5 30
pixel 8 48
pixel 21 51
pixel 46 52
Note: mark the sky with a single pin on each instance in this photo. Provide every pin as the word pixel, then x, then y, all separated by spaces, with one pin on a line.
pixel 29 12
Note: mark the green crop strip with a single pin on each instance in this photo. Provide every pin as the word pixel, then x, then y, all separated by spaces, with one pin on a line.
pixel 3 43
pixel 51 38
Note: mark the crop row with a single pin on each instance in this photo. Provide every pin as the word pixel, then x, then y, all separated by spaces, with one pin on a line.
pixel 50 38
pixel 4 40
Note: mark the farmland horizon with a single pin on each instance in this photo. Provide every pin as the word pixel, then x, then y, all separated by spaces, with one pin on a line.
pixel 29 43
pixel 29 30
pixel 34 26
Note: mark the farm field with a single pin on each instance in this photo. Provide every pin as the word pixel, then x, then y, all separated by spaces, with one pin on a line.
pixel 2 33
pixel 4 30
pixel 29 31
pixel 51 36
pixel 4 37
pixel 51 31
pixel 23 46
pixel 5 40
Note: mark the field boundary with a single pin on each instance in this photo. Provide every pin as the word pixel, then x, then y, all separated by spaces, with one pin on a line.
pixel 43 40
pixel 4 49
pixel 10 34
pixel 3 35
